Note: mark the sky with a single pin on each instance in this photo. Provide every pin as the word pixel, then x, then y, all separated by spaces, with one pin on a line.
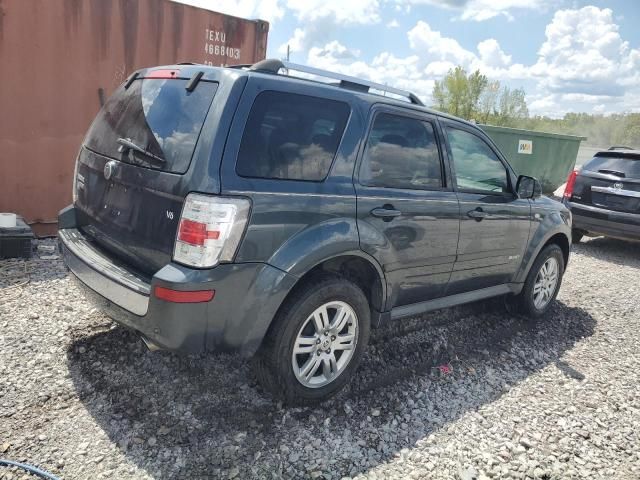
pixel 568 55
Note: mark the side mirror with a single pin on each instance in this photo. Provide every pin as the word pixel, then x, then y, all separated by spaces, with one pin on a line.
pixel 528 187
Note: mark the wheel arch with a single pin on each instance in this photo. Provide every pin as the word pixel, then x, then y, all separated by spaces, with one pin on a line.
pixel 557 237
pixel 356 266
pixel 563 242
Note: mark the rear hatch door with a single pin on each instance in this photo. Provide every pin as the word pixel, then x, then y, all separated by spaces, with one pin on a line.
pixel 129 173
pixel 611 180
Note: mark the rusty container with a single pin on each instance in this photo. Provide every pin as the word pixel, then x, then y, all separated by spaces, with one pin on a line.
pixel 60 60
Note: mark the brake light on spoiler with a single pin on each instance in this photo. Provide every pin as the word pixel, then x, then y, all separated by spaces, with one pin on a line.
pixel 210 229
pixel 163 73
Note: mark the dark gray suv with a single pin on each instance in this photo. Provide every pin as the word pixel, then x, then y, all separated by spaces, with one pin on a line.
pixel 244 209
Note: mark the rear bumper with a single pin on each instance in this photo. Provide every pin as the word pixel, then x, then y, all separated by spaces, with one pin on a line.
pixel 600 221
pixel 246 299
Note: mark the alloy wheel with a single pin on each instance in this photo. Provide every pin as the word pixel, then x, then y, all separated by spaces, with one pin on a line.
pixel 325 344
pixel 546 283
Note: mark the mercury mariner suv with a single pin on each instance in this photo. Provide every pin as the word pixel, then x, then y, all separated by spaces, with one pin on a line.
pixel 246 209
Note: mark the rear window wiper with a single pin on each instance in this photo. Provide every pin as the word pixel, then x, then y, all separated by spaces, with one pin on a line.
pixel 126 144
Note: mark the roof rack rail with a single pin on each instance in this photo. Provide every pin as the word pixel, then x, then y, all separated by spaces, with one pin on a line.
pixel 620 147
pixel 353 83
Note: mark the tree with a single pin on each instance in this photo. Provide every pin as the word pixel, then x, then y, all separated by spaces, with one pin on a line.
pixel 458 93
pixel 474 97
pixel 476 84
pixel 512 106
pixel 488 101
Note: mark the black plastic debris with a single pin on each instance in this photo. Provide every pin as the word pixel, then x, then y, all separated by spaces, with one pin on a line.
pixel 15 242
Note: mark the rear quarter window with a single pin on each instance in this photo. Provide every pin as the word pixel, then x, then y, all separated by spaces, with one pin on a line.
pixel 291 137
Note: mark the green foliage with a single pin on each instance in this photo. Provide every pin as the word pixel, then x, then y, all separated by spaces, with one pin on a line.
pixel 474 97
pixel 601 131
pixel 459 94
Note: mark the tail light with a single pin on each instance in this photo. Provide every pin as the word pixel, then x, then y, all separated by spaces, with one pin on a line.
pixel 210 229
pixel 571 182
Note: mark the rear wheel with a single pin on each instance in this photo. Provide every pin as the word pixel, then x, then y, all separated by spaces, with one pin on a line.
pixel 542 284
pixel 316 341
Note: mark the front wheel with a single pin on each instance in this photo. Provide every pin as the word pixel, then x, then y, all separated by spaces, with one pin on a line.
pixel 315 342
pixel 543 283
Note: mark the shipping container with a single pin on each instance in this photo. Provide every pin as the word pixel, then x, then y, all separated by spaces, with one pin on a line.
pixel 61 59
pixel 549 157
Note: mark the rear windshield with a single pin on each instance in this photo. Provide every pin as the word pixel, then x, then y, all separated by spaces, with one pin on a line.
pixel 291 137
pixel 158 115
pixel 630 167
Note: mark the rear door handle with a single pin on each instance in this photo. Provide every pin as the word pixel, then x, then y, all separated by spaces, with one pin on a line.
pixel 478 214
pixel 386 214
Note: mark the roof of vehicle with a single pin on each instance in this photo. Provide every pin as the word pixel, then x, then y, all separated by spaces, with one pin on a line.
pixel 619 152
pixel 357 87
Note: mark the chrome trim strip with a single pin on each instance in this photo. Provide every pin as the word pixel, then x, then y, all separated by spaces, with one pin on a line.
pixel 616 191
pixel 98 273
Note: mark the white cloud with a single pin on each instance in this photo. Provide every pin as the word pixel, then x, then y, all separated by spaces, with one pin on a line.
pixel 385 68
pixel 584 53
pixel 269 10
pixel 432 56
pixel 481 10
pixel 583 64
pixel 297 43
pixel 492 55
pixel 438 68
pixel 335 51
pixel 431 44
pixel 322 18
pixel 342 12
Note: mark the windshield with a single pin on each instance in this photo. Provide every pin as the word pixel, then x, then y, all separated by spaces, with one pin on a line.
pixel 159 116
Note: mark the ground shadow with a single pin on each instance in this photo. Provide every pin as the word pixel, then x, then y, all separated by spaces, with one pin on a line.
pixel 207 416
pixel 612 250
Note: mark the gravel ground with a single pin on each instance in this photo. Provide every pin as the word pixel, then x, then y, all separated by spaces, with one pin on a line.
pixel 83 399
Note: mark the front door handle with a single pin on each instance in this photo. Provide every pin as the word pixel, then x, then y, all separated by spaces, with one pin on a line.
pixel 386 214
pixel 478 214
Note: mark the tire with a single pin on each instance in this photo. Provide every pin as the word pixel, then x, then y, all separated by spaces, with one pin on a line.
pixel 527 302
pixel 295 323
pixel 576 235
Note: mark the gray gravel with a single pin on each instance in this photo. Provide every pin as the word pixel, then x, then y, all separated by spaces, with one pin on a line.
pixel 82 398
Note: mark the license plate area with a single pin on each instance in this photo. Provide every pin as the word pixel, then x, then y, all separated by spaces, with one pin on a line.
pixel 119 203
pixel 616 202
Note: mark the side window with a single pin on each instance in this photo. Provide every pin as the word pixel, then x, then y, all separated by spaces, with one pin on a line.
pixel 291 137
pixel 476 166
pixel 401 152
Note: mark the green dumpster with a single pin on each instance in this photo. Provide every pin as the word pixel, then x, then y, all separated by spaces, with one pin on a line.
pixel 547 156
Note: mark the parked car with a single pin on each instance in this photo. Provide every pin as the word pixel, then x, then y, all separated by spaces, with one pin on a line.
pixel 604 196
pixel 242 209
